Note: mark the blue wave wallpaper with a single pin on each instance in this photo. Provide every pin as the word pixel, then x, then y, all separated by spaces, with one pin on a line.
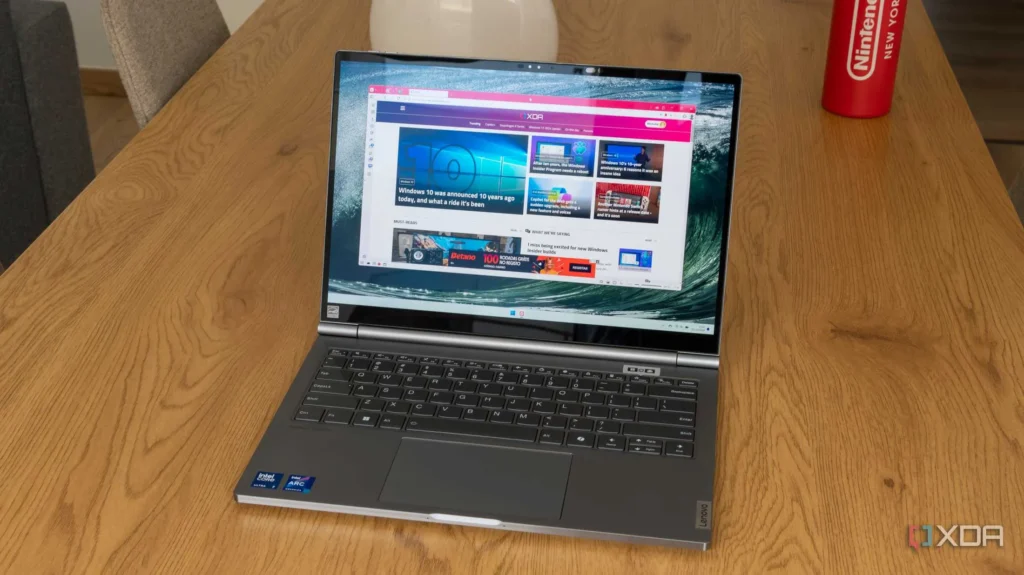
pixel 696 302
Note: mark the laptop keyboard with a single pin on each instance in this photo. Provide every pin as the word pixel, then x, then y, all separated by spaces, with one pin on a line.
pixel 534 404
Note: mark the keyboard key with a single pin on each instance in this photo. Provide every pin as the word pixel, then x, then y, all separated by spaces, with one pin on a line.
pixel 517 404
pixel 583 384
pixel 474 414
pixel 386 356
pixel 466 400
pixel 666 418
pixel 464 387
pixel 557 382
pixel 542 393
pixel 439 384
pixel 568 373
pixel 615 377
pixel 532 379
pixel 544 370
pixel 364 390
pixel 407 369
pixel 677 405
pixel 389 379
pixel 416 395
pixel 423 409
pixel 365 419
pixel 558 421
pixel 522 369
pixel 639 379
pixel 578 424
pixel 593 398
pixel 674 392
pixel 658 431
pixel 592 375
pixel 598 412
pixel 531 419
pixel 679 449
pixel 645 403
pixel 414 382
pixel 334 374
pixel 502 417
pixel 634 389
pixel 338 416
pixel 619 401
pixel 645 442
pixel 580 440
pixel 430 361
pixel 322 386
pixel 620 414
pixel 364 377
pixel 611 443
pixel 432 371
pixel 309 414
pixel 514 391
pixel 552 437
pixel 570 409
pixel 489 389
pixel 462 427
pixel 441 397
pixel 456 373
pixel 567 395
pixel 492 402
pixel 644 450
pixel 360 354
pixel 392 422
pixel 506 377
pixel 499 366
pixel 372 405
pixel 609 386
pixel 452 363
pixel 338 362
pixel 544 407
pixel 481 375
pixel 359 364
pixel 330 400
pixel 475 365
pixel 400 407
pixel 390 393
pixel 338 353
pixel 406 359
pixel 449 412
pixel 607 427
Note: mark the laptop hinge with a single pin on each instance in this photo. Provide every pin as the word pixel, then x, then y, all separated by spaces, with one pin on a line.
pixel 697 360
pixel 499 343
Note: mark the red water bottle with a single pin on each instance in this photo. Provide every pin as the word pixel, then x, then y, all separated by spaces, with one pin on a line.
pixel 863 50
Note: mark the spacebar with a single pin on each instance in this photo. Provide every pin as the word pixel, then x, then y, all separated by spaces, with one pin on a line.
pixel 495 430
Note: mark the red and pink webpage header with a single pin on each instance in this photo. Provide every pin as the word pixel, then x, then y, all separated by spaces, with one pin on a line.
pixel 532 99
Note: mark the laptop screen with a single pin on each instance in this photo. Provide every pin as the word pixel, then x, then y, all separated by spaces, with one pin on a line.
pixel 549 194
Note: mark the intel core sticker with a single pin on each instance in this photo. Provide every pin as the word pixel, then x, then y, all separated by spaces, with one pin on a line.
pixel 266 480
pixel 299 483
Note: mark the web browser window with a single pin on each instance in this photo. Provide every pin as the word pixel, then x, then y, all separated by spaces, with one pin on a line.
pixel 513 185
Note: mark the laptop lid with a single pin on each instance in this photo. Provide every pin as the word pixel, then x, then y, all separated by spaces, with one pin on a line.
pixel 541 201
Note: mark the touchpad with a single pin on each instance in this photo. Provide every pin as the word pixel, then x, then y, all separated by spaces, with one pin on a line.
pixel 477 479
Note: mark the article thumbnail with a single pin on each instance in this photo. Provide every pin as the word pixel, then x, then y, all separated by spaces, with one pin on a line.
pixel 435 248
pixel 631 161
pixel 471 171
pixel 560 197
pixel 562 156
pixel 627 202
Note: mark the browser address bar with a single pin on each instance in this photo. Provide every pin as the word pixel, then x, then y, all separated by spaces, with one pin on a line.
pixel 428 93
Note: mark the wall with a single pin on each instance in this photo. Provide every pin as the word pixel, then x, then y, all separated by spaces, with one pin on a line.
pixel 93 51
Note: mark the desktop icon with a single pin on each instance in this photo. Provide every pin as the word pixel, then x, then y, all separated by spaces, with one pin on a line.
pixel 512 313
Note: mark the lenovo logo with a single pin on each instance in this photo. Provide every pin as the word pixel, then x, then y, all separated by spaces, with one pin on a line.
pixel 532 116
pixel 864 35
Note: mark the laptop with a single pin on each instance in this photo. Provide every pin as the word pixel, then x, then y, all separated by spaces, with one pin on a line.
pixel 522 301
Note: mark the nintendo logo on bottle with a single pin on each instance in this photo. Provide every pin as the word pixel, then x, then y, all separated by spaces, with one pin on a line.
pixel 864 35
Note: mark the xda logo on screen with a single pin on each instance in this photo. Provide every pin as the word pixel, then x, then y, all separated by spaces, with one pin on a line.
pixel 924 536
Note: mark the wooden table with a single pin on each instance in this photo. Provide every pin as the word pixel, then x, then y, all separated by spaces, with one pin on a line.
pixel 874 332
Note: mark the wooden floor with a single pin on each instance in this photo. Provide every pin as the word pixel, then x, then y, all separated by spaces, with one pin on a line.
pixel 111 127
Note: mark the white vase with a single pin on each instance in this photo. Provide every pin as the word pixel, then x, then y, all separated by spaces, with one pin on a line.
pixel 490 29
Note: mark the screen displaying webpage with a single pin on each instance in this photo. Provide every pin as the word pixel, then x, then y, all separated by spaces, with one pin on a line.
pixel 508 185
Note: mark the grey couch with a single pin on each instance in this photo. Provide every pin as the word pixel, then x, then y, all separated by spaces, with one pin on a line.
pixel 45 158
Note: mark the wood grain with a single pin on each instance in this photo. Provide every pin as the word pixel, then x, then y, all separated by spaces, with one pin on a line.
pixel 873 366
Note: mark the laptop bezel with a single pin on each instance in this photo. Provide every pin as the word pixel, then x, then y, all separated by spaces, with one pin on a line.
pixel 544 330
